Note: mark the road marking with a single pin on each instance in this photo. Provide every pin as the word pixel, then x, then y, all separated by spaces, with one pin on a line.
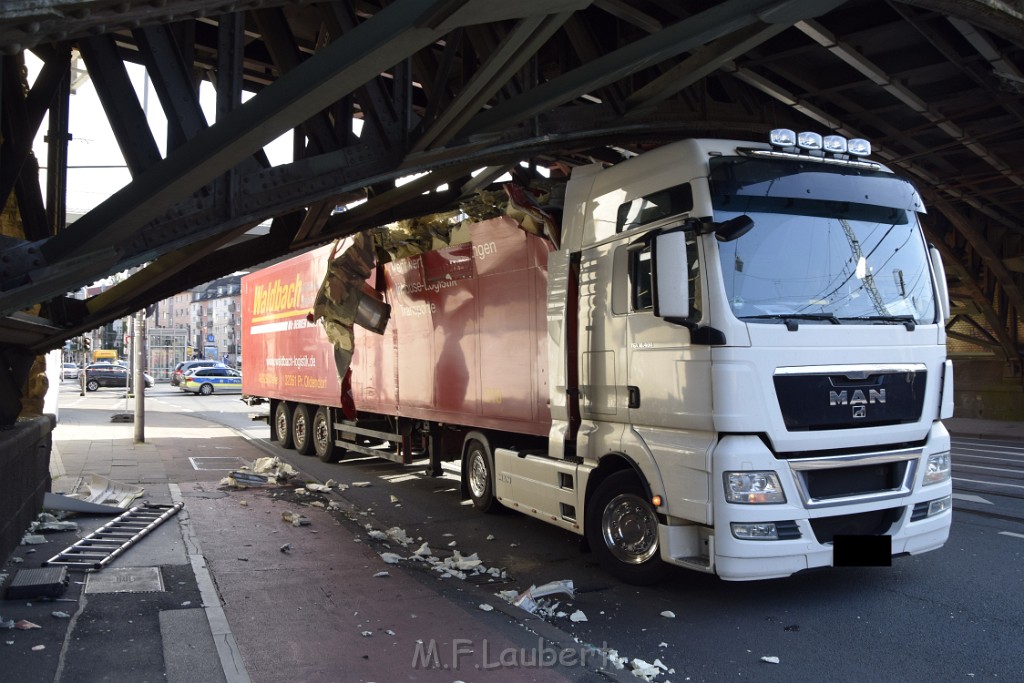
pixel 1010 533
pixel 983 467
pixel 972 499
pixel 990 483
pixel 985 457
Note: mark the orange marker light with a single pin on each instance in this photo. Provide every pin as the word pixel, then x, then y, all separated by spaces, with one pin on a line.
pixel 656 501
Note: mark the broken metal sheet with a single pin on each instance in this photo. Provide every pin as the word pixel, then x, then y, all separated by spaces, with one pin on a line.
pixel 104 496
pixel 57 501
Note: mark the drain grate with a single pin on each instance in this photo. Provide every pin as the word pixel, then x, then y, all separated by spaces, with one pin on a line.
pixel 46 582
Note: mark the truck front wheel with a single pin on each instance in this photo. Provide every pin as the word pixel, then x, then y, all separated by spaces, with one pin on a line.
pixel 322 436
pixel 283 424
pixel 301 424
pixel 622 530
pixel 479 474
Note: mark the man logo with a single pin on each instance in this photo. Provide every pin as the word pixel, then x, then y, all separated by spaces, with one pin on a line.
pixel 858 401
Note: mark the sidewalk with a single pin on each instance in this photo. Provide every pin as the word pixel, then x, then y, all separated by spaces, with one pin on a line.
pixel 227 591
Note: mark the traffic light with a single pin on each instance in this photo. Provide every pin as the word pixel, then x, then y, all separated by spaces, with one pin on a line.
pixel 86 343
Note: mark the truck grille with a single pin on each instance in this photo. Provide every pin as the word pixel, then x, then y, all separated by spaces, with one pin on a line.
pixel 873 523
pixel 853 481
pixel 849 397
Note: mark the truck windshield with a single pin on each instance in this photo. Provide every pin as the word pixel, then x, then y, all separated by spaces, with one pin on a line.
pixel 830 244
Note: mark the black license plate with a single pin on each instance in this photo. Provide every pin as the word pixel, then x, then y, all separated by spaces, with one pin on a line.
pixel 856 550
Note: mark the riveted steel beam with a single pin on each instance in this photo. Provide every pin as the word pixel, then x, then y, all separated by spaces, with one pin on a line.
pixel 370 48
pixel 519 45
pixel 126 116
pixel 22 115
pixel 720 20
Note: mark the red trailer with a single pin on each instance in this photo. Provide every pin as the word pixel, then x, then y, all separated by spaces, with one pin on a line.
pixel 466 349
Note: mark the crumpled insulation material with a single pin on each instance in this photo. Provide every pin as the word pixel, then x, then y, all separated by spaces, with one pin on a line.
pixel 337 301
pixel 344 286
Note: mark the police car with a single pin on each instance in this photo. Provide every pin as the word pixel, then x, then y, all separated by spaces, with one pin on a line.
pixel 206 381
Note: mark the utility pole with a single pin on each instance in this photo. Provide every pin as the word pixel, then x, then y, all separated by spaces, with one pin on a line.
pixel 139 345
pixel 86 344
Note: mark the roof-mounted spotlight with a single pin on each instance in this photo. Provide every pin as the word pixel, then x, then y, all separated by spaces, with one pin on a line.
pixel 782 137
pixel 834 144
pixel 808 141
pixel 859 147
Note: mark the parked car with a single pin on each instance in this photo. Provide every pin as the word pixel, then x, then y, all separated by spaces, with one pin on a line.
pixel 185 366
pixel 109 375
pixel 206 381
pixel 70 371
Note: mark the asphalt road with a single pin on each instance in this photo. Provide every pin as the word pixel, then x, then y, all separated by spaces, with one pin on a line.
pixel 952 614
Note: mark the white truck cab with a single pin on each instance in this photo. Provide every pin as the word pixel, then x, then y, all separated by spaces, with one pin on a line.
pixel 748 368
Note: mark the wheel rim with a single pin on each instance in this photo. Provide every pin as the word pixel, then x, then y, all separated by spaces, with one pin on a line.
pixel 282 422
pixel 320 434
pixel 206 390
pixel 477 474
pixel 299 433
pixel 630 529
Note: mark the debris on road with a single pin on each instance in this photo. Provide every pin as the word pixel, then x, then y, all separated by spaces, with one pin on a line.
pixel 47 522
pixel 262 472
pixel 578 616
pixel 668 614
pixel 286 548
pixel 527 600
pixel 770 660
pixel 295 519
pixel 646 671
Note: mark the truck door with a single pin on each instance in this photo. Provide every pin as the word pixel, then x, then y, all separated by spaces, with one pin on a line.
pixel 669 384
pixel 602 358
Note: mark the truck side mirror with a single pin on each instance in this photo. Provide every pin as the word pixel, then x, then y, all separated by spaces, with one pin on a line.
pixel 671 276
pixel 733 229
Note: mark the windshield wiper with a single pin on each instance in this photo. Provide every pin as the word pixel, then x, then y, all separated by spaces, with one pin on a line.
pixel 907 321
pixel 791 318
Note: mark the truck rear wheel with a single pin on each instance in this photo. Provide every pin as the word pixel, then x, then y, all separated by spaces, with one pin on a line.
pixel 322 436
pixel 479 474
pixel 301 429
pixel 283 424
pixel 622 530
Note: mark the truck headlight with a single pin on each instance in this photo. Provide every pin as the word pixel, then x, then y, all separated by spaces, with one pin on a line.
pixel 753 487
pixel 938 468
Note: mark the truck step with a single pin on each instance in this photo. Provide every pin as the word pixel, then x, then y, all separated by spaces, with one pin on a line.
pixel 702 564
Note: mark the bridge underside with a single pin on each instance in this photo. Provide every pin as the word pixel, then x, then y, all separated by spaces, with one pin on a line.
pixel 449 87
